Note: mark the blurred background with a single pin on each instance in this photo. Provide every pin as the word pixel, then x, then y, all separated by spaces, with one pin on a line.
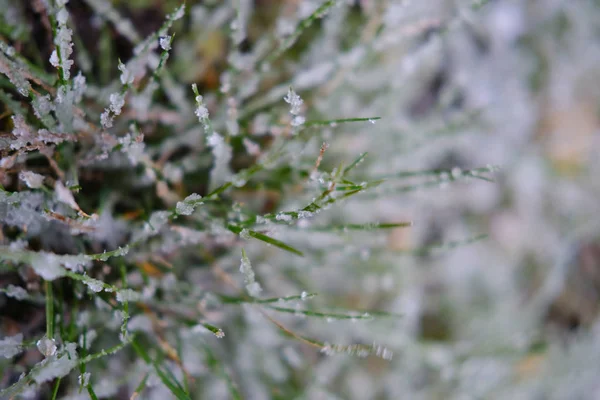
pixel 498 279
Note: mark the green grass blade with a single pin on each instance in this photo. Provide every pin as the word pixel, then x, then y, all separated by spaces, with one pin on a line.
pixel 169 381
pixel 365 315
pixel 264 238
pixel 333 122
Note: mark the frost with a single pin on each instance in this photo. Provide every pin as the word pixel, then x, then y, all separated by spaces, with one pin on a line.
pixel 134 148
pixel 62 41
pixel 252 287
pixel 57 367
pixel 16 292
pixel 303 295
pixel 187 206
pixel 84 379
pixel 251 148
pixel 294 101
pixel 11 346
pixel 165 43
pixel 64 195
pixel 126 295
pixel 95 285
pixel 47 346
pixel 201 111
pixel 140 323
pixel 222 154
pixel 304 214
pixel 126 75
pixel 183 208
pixel 79 86
pixel 239 25
pixel 245 234
pixel 54 59
pixel 31 179
pixel 86 340
pixel 47 265
pixel 178 14
pixel 283 217
pixel 456 172
pixel 106 120
pixel 13 71
pixel 117 101
pixel 298 120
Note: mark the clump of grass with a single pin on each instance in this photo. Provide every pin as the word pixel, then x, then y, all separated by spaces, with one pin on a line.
pixel 128 198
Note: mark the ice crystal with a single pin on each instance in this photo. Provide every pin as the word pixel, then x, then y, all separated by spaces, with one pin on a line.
pixel 95 285
pixel 16 292
pixel 57 367
pixel 252 287
pixel 222 153
pixel 126 295
pixel 165 43
pixel 294 101
pixel 117 101
pixel 84 379
pixel 64 195
pixel 31 179
pixel 187 206
pixel 62 41
pixel 126 76
pixel 10 346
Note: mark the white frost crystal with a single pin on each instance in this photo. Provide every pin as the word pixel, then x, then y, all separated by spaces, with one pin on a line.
pixel 95 285
pixel 16 292
pixel 187 206
pixel 117 101
pixel 64 195
pixel 126 75
pixel 84 379
pixel 283 217
pixel 252 287
pixel 128 295
pixel 56 367
pixel 222 154
pixel 165 43
pixel 47 266
pixel 106 119
pixel 62 41
pixel 295 103
pixel 31 179
pixel 11 346
pixel 201 110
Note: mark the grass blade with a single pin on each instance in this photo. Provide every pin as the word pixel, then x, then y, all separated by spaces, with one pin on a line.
pixel 264 238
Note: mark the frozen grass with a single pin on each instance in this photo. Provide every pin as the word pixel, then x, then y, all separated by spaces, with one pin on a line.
pixel 236 200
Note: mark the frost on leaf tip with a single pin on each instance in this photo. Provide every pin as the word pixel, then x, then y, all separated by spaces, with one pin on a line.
pixel 126 75
pixel 165 43
pixel 64 195
pixel 187 206
pixel 252 287
pixel 294 101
